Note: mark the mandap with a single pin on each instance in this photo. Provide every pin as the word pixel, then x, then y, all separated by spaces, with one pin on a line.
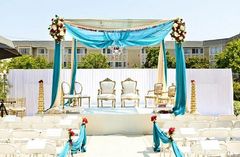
pixel 117 34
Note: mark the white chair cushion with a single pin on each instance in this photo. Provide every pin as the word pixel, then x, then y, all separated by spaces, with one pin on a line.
pixel 107 87
pixel 106 96
pixel 71 96
pixel 129 87
pixel 130 96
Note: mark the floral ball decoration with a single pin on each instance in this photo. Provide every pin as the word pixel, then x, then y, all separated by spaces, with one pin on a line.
pixel 70 134
pixel 84 121
pixel 193 81
pixel 178 30
pixel 153 118
pixel 57 29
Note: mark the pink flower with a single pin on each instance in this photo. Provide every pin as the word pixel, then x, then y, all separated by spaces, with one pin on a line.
pixel 84 120
pixel 171 131
pixel 153 118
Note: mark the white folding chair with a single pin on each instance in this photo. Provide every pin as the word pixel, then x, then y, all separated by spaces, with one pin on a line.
pixel 8 149
pixel 235 134
pixel 236 124
pixel 221 124
pixel 24 135
pixel 205 118
pixel 198 124
pixel 19 125
pixel 5 134
pixel 216 133
pixel 226 117
pixel 51 119
pixel 197 150
pixel 233 148
pixel 32 119
pixel 49 150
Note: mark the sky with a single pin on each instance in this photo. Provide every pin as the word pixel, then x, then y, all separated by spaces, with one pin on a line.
pixel 205 19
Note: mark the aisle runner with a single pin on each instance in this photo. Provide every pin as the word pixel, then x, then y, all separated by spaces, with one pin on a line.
pixel 120 146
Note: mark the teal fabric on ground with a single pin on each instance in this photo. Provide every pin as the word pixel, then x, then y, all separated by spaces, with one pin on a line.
pixel 165 60
pixel 181 89
pixel 74 69
pixel 77 146
pixel 65 150
pixel 159 135
pixel 145 37
pixel 80 144
pixel 56 72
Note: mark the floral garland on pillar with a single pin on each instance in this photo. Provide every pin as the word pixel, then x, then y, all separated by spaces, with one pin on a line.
pixel 178 30
pixel 57 29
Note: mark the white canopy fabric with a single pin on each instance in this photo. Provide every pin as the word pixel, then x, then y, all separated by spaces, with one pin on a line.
pixel 114 25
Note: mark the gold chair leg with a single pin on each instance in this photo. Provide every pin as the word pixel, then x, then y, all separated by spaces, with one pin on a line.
pixel 97 102
pixel 89 102
pixel 138 102
pixel 145 102
pixel 101 103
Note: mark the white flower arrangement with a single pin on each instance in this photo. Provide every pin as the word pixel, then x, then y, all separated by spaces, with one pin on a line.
pixel 178 30
pixel 57 29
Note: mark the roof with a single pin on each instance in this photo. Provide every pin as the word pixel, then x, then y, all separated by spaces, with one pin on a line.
pixel 6 42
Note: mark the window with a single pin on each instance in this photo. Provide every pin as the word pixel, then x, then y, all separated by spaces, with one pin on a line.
pixel 215 50
pixel 144 51
pixel 107 51
pixel 187 51
pixel 118 64
pixel 81 51
pixel 42 51
pixel 124 64
pixel 68 50
pixel 24 51
pixel 196 51
pixel 110 64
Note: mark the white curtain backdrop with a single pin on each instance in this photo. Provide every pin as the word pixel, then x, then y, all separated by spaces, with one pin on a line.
pixel 213 86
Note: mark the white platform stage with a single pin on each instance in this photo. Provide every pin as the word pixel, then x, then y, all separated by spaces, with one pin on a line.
pixel 213 86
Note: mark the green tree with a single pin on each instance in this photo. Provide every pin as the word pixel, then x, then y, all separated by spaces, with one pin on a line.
pixel 230 57
pixel 28 62
pixel 94 60
pixel 197 63
pixel 152 58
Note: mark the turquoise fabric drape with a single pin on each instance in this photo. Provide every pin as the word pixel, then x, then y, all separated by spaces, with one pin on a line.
pixel 158 135
pixel 56 72
pixel 144 37
pixel 77 146
pixel 165 60
pixel 74 68
pixel 65 150
pixel 181 89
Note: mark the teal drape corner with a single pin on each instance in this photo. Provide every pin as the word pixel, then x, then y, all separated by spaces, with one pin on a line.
pixel 65 150
pixel 77 146
pixel 156 140
pixel 165 60
pixel 74 68
pixel 80 144
pixel 159 135
pixel 181 89
pixel 145 37
pixel 56 72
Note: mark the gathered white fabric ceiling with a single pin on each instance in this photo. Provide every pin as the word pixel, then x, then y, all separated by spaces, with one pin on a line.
pixel 116 24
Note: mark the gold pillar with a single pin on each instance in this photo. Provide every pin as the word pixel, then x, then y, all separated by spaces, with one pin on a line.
pixel 193 98
pixel 41 97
